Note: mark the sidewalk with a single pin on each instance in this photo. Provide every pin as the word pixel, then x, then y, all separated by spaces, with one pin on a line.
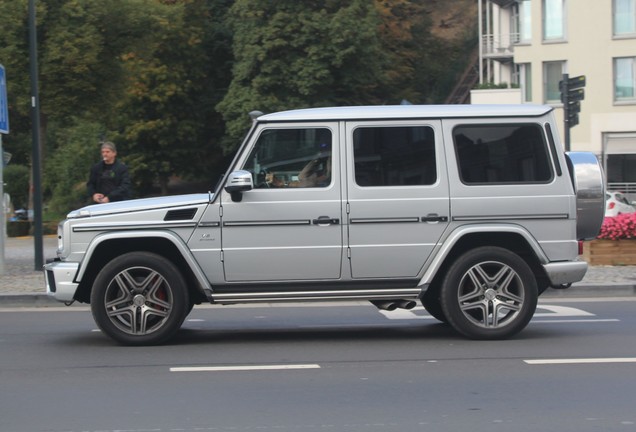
pixel 22 284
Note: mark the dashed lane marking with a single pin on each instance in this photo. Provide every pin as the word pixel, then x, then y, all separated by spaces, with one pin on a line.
pixel 581 361
pixel 243 368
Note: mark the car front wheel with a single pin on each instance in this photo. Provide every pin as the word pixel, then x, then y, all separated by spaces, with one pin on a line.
pixel 139 298
pixel 489 293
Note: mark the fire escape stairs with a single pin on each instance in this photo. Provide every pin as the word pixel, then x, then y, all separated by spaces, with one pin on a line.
pixel 468 80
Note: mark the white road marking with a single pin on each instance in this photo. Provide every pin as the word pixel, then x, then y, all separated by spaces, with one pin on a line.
pixel 401 314
pixel 546 311
pixel 243 368
pixel 566 321
pixel 581 361
pixel 560 311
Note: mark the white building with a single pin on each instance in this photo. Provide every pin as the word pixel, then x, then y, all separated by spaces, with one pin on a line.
pixel 530 44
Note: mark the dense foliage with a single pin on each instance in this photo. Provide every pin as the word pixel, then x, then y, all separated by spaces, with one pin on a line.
pixel 171 81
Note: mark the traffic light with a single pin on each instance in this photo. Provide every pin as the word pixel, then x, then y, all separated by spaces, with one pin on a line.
pixel 572 94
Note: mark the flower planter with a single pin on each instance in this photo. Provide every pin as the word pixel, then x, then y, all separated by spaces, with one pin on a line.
pixel 610 252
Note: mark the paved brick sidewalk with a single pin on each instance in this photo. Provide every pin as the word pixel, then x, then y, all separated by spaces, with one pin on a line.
pixel 20 275
pixel 21 278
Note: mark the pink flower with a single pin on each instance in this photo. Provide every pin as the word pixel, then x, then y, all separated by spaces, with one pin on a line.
pixel 618 227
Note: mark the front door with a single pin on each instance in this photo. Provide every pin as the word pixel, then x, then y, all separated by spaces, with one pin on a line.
pixel 289 227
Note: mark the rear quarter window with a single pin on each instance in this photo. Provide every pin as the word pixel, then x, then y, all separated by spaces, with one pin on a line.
pixel 502 154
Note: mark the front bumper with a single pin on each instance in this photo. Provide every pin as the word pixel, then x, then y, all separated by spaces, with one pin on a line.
pixel 60 280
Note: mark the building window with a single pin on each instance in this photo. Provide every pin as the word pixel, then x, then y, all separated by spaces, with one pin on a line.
pixel 522 21
pixel 624 79
pixel 552 75
pixel 553 20
pixel 624 17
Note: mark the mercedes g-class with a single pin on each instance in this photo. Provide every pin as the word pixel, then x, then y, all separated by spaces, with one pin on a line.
pixel 473 211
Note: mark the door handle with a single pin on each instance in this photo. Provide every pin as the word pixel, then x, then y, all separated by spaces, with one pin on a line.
pixel 434 218
pixel 326 220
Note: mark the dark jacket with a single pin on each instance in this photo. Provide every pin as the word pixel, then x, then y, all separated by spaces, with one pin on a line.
pixel 121 180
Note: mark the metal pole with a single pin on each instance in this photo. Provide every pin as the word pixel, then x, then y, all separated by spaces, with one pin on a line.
pixel 2 217
pixel 490 42
pixel 35 132
pixel 566 111
pixel 480 41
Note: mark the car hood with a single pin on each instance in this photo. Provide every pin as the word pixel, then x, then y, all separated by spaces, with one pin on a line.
pixel 141 204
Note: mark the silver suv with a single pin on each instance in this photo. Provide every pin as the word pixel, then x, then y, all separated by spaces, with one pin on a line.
pixel 472 210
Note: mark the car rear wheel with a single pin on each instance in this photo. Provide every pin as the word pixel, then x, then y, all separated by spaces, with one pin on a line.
pixel 139 298
pixel 489 293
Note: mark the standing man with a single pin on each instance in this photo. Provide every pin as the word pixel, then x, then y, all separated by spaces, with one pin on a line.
pixel 109 180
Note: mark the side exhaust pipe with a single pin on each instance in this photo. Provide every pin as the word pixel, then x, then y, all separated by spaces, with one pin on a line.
pixel 388 305
pixel 405 304
pixel 391 305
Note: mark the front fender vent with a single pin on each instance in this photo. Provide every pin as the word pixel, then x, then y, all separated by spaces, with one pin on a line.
pixel 180 215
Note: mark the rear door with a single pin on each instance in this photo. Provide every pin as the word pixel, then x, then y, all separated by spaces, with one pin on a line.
pixel 397 196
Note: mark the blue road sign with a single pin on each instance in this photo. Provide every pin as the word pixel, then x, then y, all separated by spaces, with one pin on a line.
pixel 4 105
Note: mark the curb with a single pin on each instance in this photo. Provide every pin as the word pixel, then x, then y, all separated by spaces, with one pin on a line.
pixel 28 300
pixel 592 290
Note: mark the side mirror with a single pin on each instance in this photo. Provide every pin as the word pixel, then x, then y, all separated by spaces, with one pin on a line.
pixel 239 181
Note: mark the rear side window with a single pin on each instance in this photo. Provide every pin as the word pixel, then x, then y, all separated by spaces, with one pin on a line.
pixel 394 156
pixel 502 153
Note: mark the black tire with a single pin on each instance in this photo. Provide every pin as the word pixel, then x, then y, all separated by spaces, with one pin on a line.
pixel 433 304
pixel 489 293
pixel 139 298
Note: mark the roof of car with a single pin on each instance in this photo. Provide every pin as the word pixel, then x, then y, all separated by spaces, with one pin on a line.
pixel 407 112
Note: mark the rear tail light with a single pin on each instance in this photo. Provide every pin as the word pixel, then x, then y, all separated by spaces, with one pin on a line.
pixel 580 247
pixel 611 205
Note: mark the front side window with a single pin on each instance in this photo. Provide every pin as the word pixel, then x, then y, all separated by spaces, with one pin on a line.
pixel 552 75
pixel 502 154
pixel 624 17
pixel 291 158
pixel 553 20
pixel 624 79
pixel 394 156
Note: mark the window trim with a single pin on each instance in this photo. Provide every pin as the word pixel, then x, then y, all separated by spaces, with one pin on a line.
pixel 626 35
pixel 564 20
pixel 623 101
pixel 552 102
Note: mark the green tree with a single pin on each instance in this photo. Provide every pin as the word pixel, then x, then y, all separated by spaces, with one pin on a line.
pixel 14 55
pixel 172 85
pixel 16 179
pixel 68 167
pixel 291 54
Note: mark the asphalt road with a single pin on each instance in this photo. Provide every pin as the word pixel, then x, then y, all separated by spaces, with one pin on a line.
pixel 346 367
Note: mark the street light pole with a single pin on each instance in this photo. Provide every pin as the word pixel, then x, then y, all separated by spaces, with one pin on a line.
pixel 35 132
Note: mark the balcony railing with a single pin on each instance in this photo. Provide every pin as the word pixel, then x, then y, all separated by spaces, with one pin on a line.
pixel 628 189
pixel 500 45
